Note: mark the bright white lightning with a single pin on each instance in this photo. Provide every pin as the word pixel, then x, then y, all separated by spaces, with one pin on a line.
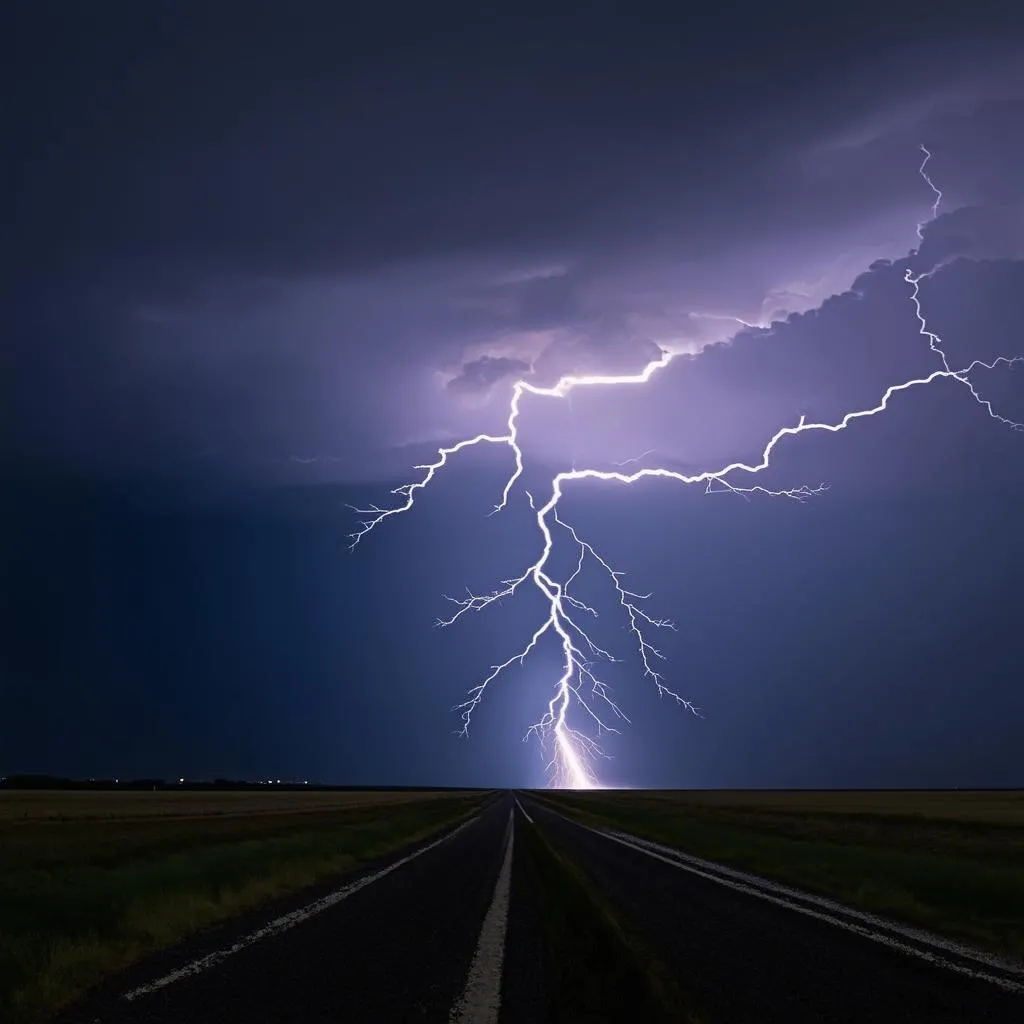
pixel 574 750
pixel 914 280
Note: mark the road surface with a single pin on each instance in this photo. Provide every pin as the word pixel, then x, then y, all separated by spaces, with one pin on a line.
pixel 451 932
pixel 744 958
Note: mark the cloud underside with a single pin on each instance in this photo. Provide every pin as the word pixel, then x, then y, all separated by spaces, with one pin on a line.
pixel 312 289
pixel 479 374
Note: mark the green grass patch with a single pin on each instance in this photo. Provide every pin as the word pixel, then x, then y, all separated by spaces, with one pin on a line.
pixel 597 970
pixel 962 877
pixel 82 897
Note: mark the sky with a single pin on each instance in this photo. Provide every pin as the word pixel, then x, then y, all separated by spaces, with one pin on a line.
pixel 260 267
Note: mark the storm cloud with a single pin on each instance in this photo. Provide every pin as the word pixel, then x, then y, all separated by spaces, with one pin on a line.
pixel 225 263
pixel 481 373
pixel 280 256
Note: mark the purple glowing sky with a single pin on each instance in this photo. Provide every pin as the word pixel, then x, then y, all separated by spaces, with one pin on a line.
pixel 237 311
pixel 257 257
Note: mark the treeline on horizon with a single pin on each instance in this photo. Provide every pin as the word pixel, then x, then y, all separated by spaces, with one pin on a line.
pixel 60 782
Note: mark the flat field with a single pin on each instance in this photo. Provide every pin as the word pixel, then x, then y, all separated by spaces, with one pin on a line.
pixel 70 805
pixel 91 881
pixel 948 861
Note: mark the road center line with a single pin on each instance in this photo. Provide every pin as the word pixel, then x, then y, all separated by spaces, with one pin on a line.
pixel 480 1002
pixel 286 921
pixel 523 809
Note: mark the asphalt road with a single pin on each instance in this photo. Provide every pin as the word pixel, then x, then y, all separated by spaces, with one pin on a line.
pixel 401 948
pixel 743 958
pixel 451 932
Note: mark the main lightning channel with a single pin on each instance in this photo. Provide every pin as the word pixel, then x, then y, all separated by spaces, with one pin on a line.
pixel 575 752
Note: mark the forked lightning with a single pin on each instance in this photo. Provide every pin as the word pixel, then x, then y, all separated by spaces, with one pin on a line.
pixel 574 750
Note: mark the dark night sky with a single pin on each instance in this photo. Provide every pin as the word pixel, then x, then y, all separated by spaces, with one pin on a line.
pixel 263 259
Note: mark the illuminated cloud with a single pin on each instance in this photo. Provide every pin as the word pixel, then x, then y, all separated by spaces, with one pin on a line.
pixel 305 285
pixel 480 374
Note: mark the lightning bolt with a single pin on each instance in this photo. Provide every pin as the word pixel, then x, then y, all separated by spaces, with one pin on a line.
pixel 935 342
pixel 936 191
pixel 732 319
pixel 575 751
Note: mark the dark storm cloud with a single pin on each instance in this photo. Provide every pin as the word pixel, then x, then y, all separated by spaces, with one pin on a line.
pixel 726 402
pixel 978 232
pixel 481 373
pixel 537 299
pixel 305 244
pixel 271 236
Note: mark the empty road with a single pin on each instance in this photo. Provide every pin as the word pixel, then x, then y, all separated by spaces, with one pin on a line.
pixel 741 957
pixel 453 931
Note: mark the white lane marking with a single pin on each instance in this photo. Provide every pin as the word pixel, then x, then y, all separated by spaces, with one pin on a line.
pixel 480 1002
pixel 830 907
pixel 286 921
pixel 861 924
pixel 523 809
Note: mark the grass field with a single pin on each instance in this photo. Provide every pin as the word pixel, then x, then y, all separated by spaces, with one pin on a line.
pixel 91 881
pixel 66 805
pixel 951 862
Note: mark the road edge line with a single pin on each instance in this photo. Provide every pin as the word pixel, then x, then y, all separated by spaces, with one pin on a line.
pixel 289 920
pixel 855 921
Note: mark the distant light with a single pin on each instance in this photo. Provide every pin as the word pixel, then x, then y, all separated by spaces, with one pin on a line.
pixel 181 780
